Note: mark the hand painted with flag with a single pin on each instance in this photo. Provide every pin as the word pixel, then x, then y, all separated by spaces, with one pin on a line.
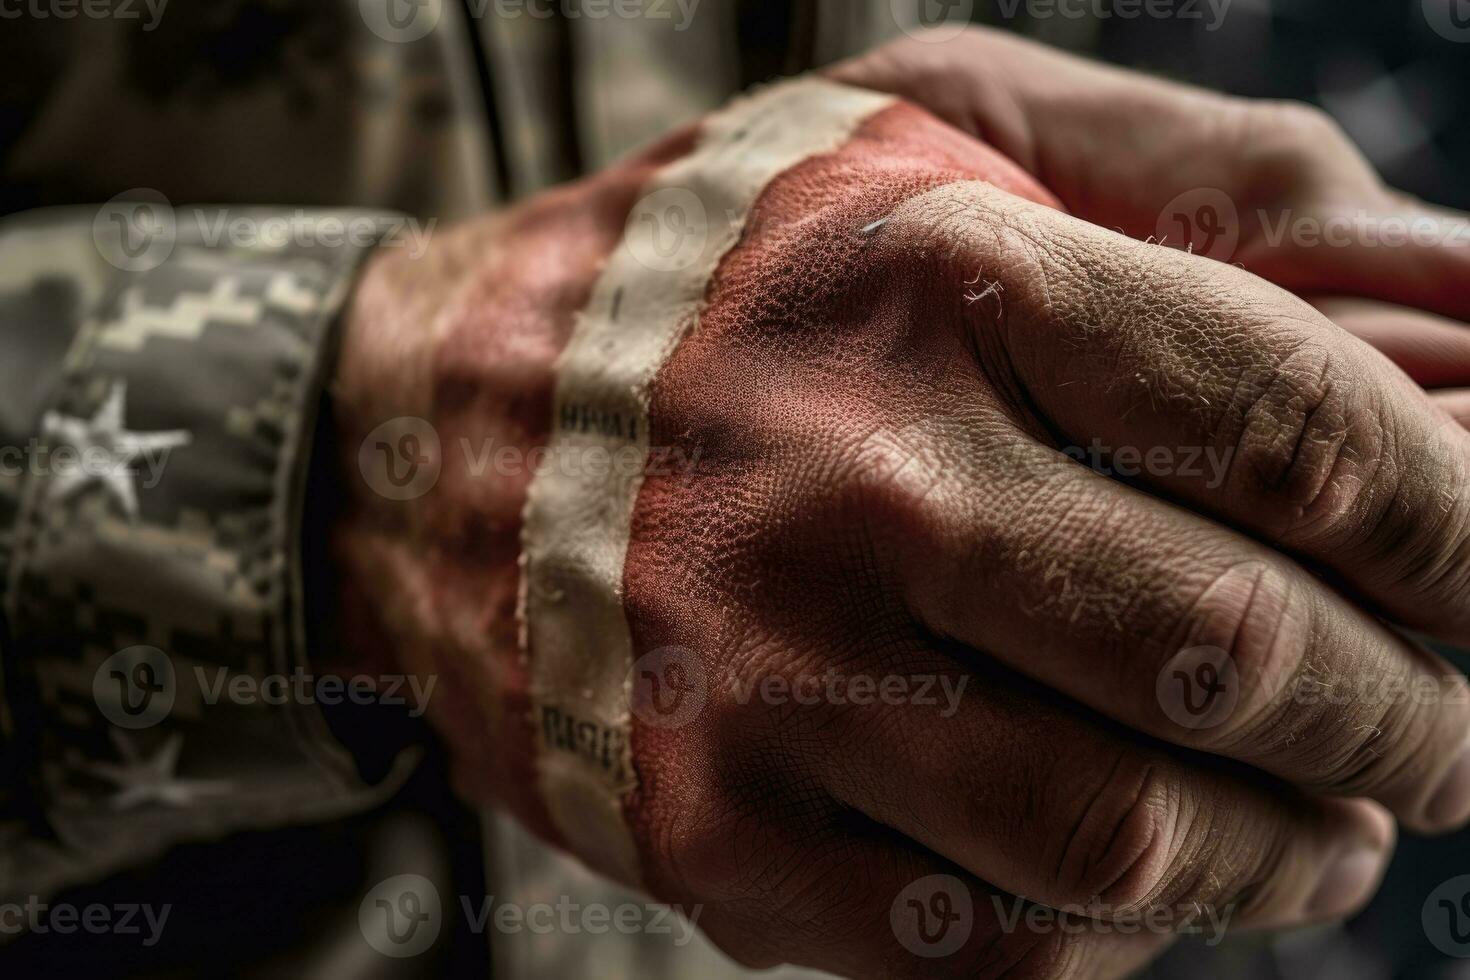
pixel 890 680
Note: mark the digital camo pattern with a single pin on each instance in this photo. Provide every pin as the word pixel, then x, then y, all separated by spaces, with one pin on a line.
pixel 164 556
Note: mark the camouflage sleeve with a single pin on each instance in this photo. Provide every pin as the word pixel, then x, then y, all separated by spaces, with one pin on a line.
pixel 159 381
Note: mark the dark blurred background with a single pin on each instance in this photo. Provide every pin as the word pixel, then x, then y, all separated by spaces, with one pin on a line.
pixel 1398 85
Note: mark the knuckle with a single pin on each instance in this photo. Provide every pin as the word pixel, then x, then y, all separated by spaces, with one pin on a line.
pixel 1370 753
pixel 1123 852
pixel 1310 447
pixel 1257 615
pixel 1302 120
pixel 1289 137
pixel 1418 528
pixel 894 487
pixel 702 847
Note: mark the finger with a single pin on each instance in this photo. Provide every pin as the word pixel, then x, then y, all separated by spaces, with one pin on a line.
pixel 1456 403
pixel 1059 116
pixel 1394 250
pixel 1109 593
pixel 1432 350
pixel 1328 450
pixel 873 904
pixel 1014 786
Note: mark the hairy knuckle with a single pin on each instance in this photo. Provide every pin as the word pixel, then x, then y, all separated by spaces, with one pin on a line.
pixel 1373 751
pixel 1416 527
pixel 1309 445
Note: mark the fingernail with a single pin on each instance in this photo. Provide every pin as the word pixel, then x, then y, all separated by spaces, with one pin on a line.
pixel 1449 806
pixel 1346 884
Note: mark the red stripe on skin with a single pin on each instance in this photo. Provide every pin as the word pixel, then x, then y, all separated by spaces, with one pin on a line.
pixel 802 289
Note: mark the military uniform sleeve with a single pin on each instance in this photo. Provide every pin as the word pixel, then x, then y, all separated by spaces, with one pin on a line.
pixel 159 385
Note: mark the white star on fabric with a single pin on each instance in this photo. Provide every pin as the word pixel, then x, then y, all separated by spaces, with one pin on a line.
pixel 103 434
pixel 145 782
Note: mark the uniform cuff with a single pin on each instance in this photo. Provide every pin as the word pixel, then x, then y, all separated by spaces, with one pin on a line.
pixel 157 632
